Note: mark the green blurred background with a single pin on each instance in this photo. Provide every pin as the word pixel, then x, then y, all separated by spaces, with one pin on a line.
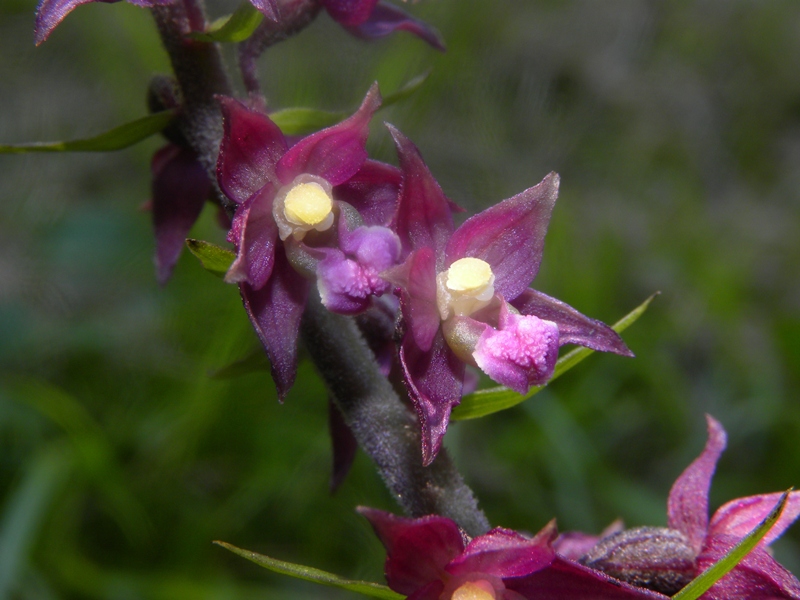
pixel 676 129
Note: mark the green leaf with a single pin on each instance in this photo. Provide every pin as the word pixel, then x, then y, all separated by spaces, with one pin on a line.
pixel 115 139
pixel 719 569
pixel 215 259
pixel 492 400
pixel 255 361
pixel 236 27
pixel 411 86
pixel 302 121
pixel 367 588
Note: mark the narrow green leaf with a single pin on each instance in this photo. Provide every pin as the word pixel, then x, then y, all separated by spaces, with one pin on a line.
pixel 215 259
pixel 701 584
pixel 367 588
pixel 411 86
pixel 254 362
pixel 492 400
pixel 116 139
pixel 236 27
pixel 302 121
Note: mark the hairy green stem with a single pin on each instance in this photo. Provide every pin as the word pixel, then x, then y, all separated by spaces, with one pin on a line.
pixel 385 428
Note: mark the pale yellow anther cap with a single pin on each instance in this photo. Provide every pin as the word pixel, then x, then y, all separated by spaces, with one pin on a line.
pixel 307 204
pixel 469 275
pixel 473 591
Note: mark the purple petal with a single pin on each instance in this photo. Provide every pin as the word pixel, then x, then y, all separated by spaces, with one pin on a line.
pixel 757 577
pixel 344 445
pixel 739 517
pixel 522 352
pixel 573 327
pixel 424 215
pixel 386 19
pixel 251 147
pixel 509 236
pixel 417 280
pixel 275 311
pixel 269 8
pixel 417 549
pixel 335 153
pixel 373 192
pixel 349 12
pixel 503 553
pixel 687 506
pixel 255 234
pixel 567 579
pixel 50 13
pixel 343 288
pixel 434 380
pixel 180 189
pixel 375 247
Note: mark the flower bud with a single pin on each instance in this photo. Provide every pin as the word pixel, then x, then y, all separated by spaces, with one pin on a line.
pixel 656 558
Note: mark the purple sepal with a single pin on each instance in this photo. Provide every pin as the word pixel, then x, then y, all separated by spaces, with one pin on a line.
pixel 739 517
pixel 687 506
pixel 417 550
pixel 567 579
pixel 573 326
pixel 574 544
pixel 344 445
pixel 180 189
pixel 349 12
pixel 251 147
pixel 416 278
pixel 50 13
pixel 502 553
pixel 757 577
pixel 372 191
pixel 255 235
pixel 424 214
pixel 509 236
pixel 386 18
pixel 269 8
pixel 521 352
pixel 275 312
pixel 434 380
pixel 335 153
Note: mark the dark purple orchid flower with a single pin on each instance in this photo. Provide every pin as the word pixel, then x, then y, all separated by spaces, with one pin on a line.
pixel 180 189
pixel 465 295
pixel 666 559
pixel 284 225
pixel 50 13
pixel 432 559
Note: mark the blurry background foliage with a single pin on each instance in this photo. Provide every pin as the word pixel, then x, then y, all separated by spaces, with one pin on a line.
pixel 676 130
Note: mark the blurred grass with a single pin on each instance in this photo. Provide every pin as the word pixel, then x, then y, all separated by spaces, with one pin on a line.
pixel 676 130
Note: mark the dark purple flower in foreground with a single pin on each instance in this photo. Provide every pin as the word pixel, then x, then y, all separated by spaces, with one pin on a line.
pixel 284 227
pixel 50 13
pixel 432 559
pixel 466 300
pixel 180 189
pixel 666 559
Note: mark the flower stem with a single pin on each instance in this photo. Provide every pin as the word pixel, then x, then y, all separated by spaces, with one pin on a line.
pixel 384 427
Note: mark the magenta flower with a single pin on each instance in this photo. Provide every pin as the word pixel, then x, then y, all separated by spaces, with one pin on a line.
pixel 432 559
pixel 666 559
pixel 465 295
pixel 284 226
pixel 50 13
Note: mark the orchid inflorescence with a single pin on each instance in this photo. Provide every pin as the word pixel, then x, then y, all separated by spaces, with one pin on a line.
pixel 314 221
